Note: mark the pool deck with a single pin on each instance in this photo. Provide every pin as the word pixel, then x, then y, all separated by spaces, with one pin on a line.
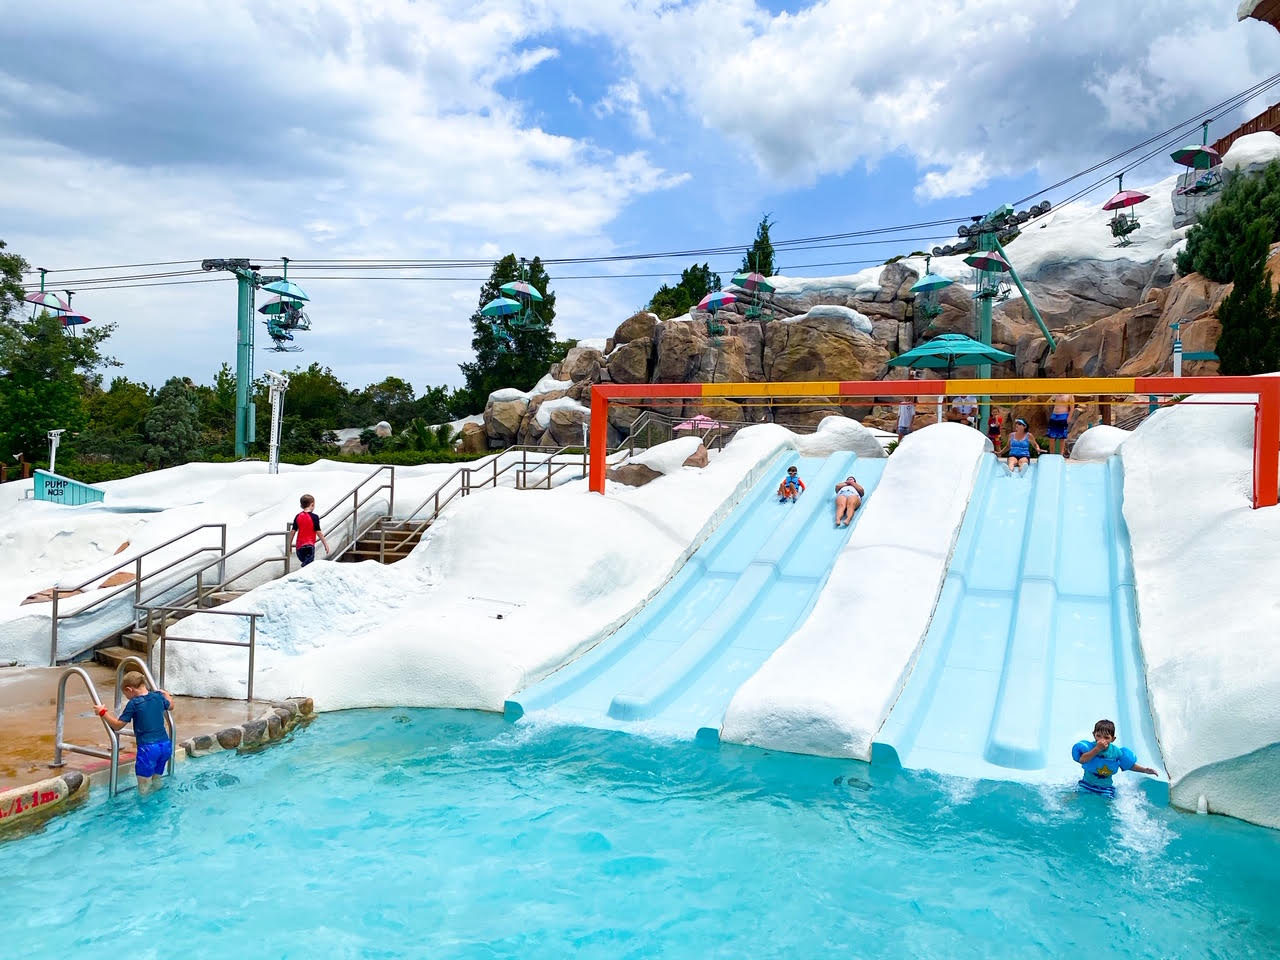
pixel 28 711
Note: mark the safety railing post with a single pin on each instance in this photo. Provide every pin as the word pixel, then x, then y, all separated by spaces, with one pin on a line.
pixel 164 642
pixel 286 550
pixel 222 557
pixel 355 514
pixel 58 724
pixel 253 646
pixel 199 589
pixel 53 630
pixel 391 497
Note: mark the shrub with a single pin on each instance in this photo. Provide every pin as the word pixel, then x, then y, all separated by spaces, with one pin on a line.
pixel 1212 242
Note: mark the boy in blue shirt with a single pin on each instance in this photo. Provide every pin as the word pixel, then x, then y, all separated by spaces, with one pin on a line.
pixel 146 708
pixel 1102 759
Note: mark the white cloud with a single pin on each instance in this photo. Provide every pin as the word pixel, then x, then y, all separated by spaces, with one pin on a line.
pixel 624 97
pixel 333 129
pixel 1040 84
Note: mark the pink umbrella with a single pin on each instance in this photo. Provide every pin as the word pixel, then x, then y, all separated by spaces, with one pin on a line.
pixel 48 300
pixel 1125 198
pixel 714 301
pixel 700 422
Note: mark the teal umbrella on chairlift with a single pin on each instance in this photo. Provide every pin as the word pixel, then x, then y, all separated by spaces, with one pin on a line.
pixel 930 283
pixel 500 307
pixel 948 351
pixel 520 288
pixel 277 306
pixel 286 288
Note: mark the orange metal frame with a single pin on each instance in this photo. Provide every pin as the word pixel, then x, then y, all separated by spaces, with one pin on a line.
pixel 1266 424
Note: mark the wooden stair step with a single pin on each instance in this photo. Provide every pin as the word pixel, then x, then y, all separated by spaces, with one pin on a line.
pixel 113 656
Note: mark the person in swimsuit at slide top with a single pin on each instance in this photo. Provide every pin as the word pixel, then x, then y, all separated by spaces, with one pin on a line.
pixel 849 494
pixel 1060 422
pixel 1018 449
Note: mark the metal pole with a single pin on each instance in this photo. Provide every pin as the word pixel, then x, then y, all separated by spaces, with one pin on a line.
pixel 222 557
pixel 391 497
pixel 244 360
pixel 62 707
pixel 253 646
pixel 1177 348
pixel 53 623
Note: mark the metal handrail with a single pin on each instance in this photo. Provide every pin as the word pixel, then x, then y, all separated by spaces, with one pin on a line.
pixel 59 745
pixel 138 580
pixel 252 645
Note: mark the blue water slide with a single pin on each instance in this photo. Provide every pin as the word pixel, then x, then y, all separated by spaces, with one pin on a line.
pixel 672 669
pixel 1034 636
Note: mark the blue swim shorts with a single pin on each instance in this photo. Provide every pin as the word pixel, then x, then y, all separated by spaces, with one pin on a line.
pixel 306 554
pixel 1058 426
pixel 152 758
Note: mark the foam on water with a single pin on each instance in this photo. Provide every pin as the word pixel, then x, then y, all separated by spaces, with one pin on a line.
pixel 410 833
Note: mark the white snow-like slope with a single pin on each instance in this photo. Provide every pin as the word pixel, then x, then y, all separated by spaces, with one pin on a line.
pixel 835 311
pixel 45 543
pixel 563 568
pixel 1253 148
pixel 543 415
pixel 1098 443
pixel 1207 569
pixel 828 689
pixel 547 384
pixel 668 457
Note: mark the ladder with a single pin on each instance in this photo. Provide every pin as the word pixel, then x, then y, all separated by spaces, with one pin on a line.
pixel 61 746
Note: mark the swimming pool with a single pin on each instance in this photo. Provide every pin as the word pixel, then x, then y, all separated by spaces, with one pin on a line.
pixel 404 833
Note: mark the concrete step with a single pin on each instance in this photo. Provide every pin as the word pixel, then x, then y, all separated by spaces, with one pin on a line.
pixel 357 554
pixel 223 596
pixel 137 641
pixel 113 656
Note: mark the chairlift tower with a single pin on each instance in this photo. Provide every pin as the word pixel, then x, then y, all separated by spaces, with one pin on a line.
pixel 983 241
pixel 248 281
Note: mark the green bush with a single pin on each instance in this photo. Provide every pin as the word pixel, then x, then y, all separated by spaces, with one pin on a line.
pixel 1212 242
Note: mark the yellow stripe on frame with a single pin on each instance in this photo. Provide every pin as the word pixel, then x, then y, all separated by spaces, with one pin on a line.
pixel 822 388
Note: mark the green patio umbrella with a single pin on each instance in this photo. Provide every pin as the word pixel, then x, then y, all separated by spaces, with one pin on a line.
pixel 948 351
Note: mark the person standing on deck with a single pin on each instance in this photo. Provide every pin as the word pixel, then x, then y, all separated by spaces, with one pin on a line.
pixel 1060 422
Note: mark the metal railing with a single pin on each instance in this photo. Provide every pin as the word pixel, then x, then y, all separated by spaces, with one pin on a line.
pixel 346 507
pixel 251 645
pixel 113 736
pixel 136 585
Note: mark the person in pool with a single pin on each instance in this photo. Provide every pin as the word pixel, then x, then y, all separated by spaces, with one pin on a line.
pixel 1018 448
pixel 849 494
pixel 1102 760
pixel 791 486
pixel 146 708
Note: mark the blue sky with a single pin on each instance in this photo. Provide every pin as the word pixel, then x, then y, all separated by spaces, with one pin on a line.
pixel 345 129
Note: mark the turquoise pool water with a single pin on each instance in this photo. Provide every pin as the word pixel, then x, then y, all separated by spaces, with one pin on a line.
pixel 397 833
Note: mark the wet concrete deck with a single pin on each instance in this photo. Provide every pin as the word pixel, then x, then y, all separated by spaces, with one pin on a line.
pixel 28 710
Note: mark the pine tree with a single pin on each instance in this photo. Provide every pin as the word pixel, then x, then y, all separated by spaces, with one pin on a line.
pixel 173 425
pixel 1250 314
pixel 1212 242
pixel 759 258
pixel 509 354
pixel 695 283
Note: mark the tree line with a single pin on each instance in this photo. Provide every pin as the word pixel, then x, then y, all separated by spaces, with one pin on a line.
pixel 116 425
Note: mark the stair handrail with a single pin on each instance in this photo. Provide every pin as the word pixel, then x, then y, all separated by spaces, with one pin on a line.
pixel 136 585
pixel 60 746
pixel 463 476
pixel 351 499
pixel 251 645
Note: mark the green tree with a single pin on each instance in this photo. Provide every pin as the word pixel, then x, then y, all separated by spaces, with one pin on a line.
pixel 217 411
pixel 117 421
pixel 695 283
pixel 44 375
pixel 759 258
pixel 11 269
pixel 1212 242
pixel 1250 314
pixel 391 399
pixel 173 425
pixel 509 354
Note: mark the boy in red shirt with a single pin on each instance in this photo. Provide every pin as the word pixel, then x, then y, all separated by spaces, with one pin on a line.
pixel 304 529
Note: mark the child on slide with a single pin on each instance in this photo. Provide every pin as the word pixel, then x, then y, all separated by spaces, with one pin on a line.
pixel 1102 760
pixel 1019 447
pixel 849 494
pixel 791 486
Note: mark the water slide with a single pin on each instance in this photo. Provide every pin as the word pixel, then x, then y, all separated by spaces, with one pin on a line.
pixel 1034 636
pixel 672 668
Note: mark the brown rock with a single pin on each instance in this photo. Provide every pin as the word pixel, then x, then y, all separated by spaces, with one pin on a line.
pixel 306 706
pixel 686 353
pixel 474 439
pixel 577 362
pixel 275 728
pixel 230 738
pixel 633 474
pixel 117 579
pixel 565 426
pixel 642 324
pixel 699 458
pixel 821 348
pixel 632 361
pixel 502 419
pixel 46 595
pixel 123 547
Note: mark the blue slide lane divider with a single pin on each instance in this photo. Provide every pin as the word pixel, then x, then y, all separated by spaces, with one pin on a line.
pixel 1034 636
pixel 672 669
